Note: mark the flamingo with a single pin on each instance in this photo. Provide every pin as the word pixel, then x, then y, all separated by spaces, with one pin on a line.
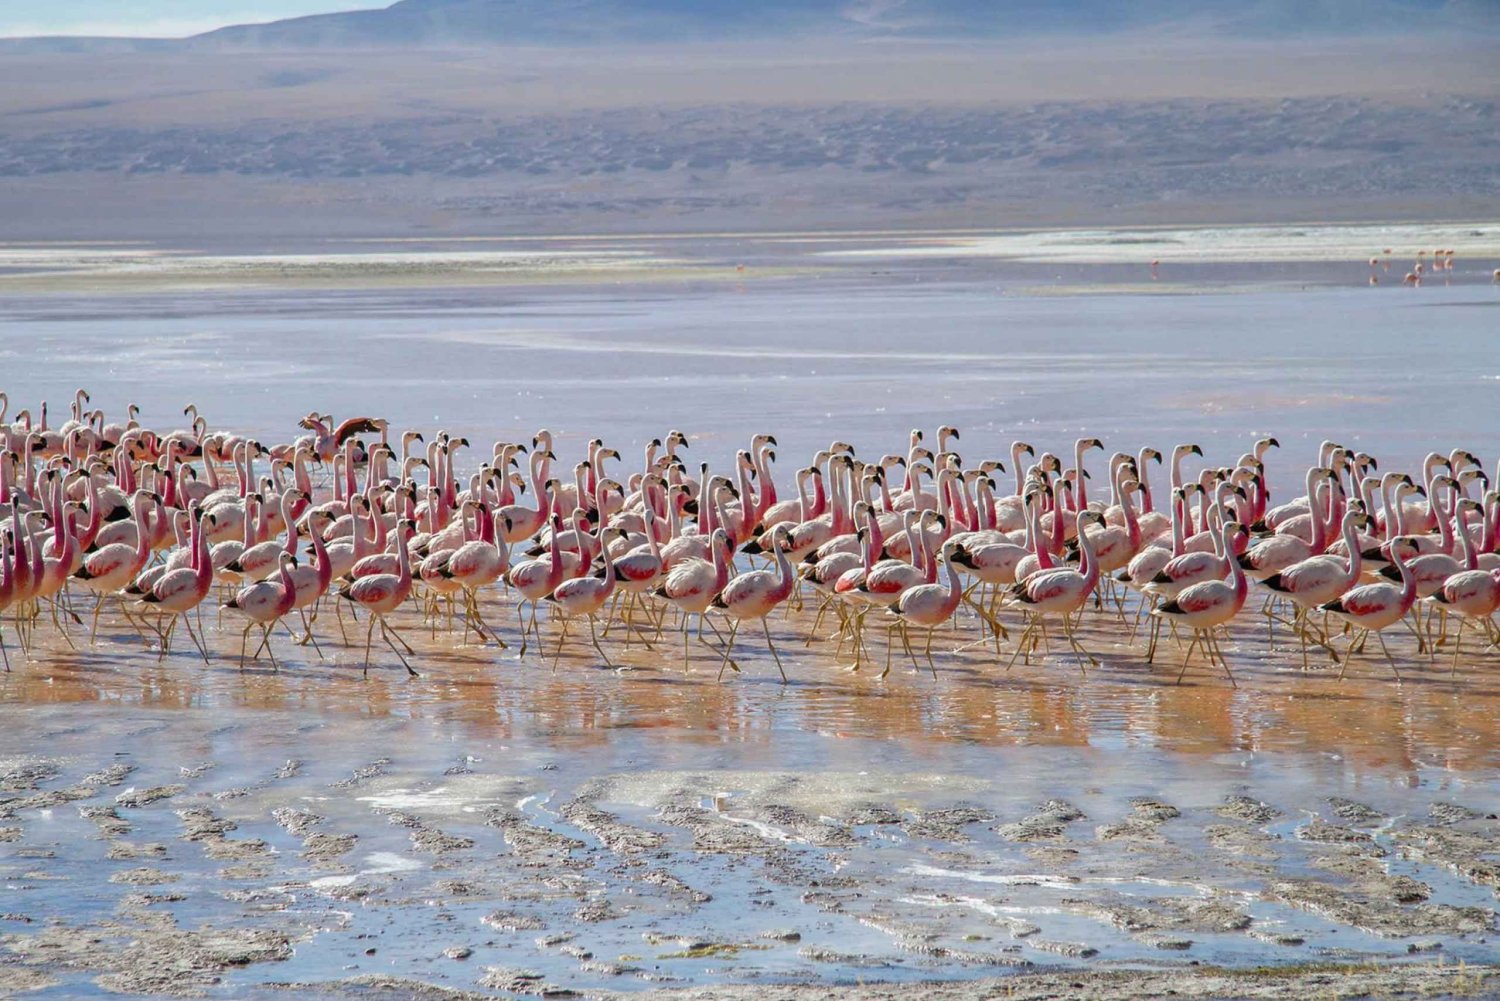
pixel 479 563
pixel 1316 580
pixel 7 588
pixel 754 594
pixel 585 596
pixel 1209 604
pixel 265 603
pixel 1060 591
pixel 535 579
pixel 1375 607
pixel 381 594
pixel 310 583
pixel 1474 596
pixel 109 569
pixel 926 605
pixel 692 584
pixel 182 590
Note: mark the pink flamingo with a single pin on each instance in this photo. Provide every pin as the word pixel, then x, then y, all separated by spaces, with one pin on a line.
pixel 1060 591
pixel 585 596
pixel 692 584
pixel 108 570
pixel 7 588
pixel 926 605
pixel 383 593
pixel 754 594
pixel 1311 582
pixel 1472 595
pixel 479 563
pixel 264 603
pixel 536 579
pixel 263 559
pixel 1209 604
pixel 179 591
pixel 310 583
pixel 1374 607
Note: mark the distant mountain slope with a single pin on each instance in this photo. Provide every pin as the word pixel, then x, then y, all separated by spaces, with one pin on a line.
pixel 592 22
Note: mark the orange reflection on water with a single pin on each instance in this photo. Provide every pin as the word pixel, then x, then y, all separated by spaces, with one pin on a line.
pixel 1431 720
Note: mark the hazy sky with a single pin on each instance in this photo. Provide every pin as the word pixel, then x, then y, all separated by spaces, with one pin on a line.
pixel 153 17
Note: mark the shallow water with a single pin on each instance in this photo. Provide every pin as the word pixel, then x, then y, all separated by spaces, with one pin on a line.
pixel 866 816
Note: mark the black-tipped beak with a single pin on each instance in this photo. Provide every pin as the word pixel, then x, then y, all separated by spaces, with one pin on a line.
pixel 1196 450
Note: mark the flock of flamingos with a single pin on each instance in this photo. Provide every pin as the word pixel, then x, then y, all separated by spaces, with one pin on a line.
pixel 157 524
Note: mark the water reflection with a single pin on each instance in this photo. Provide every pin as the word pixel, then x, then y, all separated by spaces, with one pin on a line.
pixel 1430 721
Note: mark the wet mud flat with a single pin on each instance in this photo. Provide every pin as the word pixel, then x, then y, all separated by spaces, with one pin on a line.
pixel 500 828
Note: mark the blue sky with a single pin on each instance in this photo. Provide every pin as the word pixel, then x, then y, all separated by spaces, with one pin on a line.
pixel 152 17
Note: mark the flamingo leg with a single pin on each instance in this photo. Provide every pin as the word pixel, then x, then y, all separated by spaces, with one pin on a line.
pixel 187 621
pixel 307 628
pixel 369 639
pixel 560 641
pixel 1349 653
pixel 734 628
pixel 1222 662
pixel 1386 650
pixel 594 635
pixel 521 620
pixel 244 639
pixel 822 610
pixel 1458 644
pixel 1026 636
pixel 266 643
pixel 1197 634
pixel 766 625
pixel 1078 650
pixel 906 645
pixel 387 631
